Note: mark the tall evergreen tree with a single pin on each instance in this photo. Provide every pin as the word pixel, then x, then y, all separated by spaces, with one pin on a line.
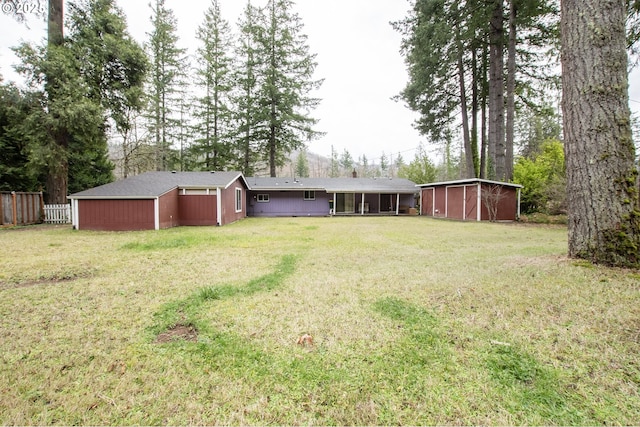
pixel 302 165
pixel 16 174
pixel 346 162
pixel 214 141
pixel 334 167
pixel 114 67
pixel 167 70
pixel 248 77
pixel 455 56
pixel 91 75
pixel 288 82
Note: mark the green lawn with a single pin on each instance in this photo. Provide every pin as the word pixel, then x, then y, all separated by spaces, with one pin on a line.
pixel 414 321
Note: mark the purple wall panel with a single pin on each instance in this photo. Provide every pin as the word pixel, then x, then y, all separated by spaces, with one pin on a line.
pixel 288 203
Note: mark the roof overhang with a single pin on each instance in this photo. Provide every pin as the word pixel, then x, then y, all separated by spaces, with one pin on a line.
pixel 469 181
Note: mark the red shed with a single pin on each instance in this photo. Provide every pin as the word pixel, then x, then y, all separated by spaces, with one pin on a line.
pixel 471 199
pixel 156 200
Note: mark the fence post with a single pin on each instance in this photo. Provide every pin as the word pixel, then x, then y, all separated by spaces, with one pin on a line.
pixel 42 214
pixel 14 207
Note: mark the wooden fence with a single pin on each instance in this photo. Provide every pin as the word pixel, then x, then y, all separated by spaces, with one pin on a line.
pixel 18 208
pixel 57 214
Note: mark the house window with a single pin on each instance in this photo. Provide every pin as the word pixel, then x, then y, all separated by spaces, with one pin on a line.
pixel 238 199
pixel 263 198
pixel 309 195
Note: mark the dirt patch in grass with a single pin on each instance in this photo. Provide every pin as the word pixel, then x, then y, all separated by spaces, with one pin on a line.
pixel 45 279
pixel 177 333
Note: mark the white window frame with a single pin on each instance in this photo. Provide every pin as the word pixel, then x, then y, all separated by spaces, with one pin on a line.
pixel 263 198
pixel 238 199
pixel 309 195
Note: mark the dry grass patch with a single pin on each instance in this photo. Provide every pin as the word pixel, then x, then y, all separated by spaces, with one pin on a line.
pixel 414 321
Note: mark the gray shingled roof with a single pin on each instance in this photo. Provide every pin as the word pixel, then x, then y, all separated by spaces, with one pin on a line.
pixel 154 184
pixel 335 185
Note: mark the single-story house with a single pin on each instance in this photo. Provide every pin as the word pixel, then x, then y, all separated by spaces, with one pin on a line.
pixel 270 197
pixel 471 199
pixel 156 200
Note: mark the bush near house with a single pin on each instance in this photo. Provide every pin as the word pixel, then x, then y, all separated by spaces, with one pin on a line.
pixel 543 177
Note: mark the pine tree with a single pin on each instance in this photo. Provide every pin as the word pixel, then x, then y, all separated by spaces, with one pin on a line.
pixel 288 81
pixel 90 76
pixel 16 174
pixel 384 164
pixel 302 165
pixel 213 147
pixel 334 168
pixel 346 161
pixel 165 83
pixel 245 101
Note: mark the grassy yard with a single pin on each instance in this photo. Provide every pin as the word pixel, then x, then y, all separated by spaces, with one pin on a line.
pixel 414 321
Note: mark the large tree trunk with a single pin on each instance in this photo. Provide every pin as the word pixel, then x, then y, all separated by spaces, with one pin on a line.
pixel 474 112
pixel 496 93
pixel 604 222
pixel 55 23
pixel 468 153
pixel 58 174
pixel 483 119
pixel 511 93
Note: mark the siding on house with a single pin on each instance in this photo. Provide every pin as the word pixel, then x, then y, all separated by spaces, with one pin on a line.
pixel 116 215
pixel 229 213
pixel 289 203
pixel 198 209
pixel 168 209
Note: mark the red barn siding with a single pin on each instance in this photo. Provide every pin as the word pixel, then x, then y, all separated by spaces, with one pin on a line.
pixel 116 215
pixel 198 209
pixel 229 213
pixel 427 202
pixel 455 207
pixel 507 206
pixel 440 204
pixel 460 201
pixel 471 202
pixel 168 207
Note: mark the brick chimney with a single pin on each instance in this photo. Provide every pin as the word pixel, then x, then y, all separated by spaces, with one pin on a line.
pixel 354 173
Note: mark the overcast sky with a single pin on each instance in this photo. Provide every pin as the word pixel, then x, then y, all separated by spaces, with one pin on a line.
pixel 358 58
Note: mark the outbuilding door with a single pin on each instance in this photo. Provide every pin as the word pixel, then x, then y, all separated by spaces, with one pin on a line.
pixel 427 201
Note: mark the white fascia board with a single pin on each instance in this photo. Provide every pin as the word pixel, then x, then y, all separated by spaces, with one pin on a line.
pixel 156 213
